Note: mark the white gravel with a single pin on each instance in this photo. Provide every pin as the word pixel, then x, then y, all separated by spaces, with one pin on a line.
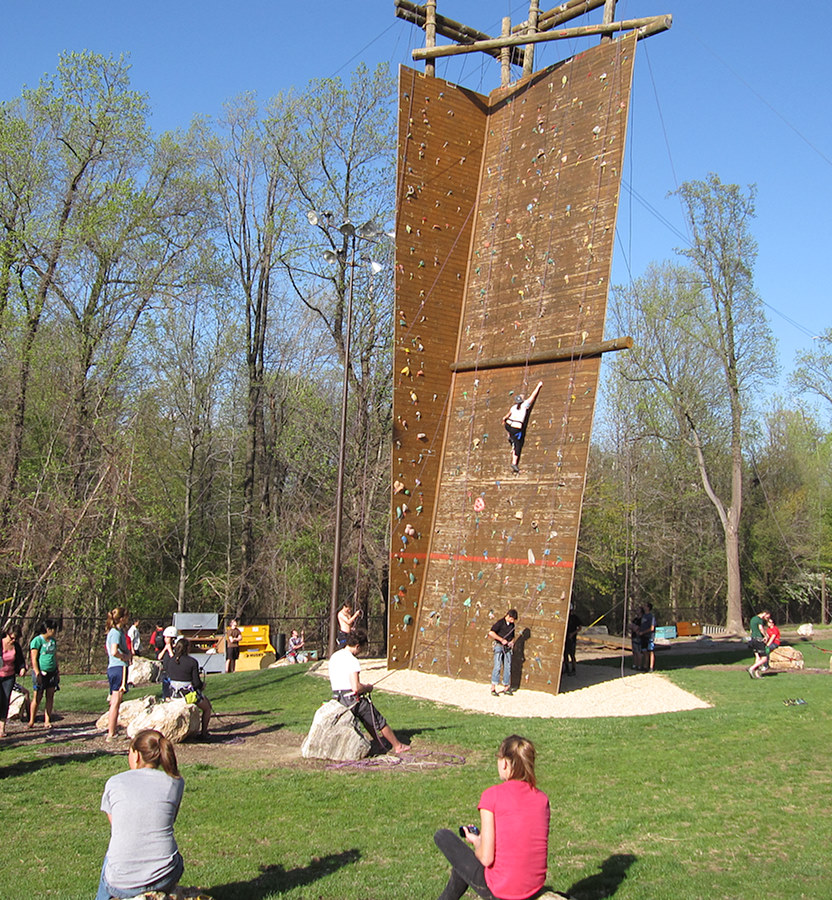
pixel 595 692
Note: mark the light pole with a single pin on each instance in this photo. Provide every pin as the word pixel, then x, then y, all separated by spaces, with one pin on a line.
pixel 346 256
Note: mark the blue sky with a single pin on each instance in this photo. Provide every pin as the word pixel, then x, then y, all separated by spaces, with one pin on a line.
pixel 731 89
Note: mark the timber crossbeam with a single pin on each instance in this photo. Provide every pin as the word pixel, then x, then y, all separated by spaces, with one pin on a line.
pixel 455 31
pixel 561 354
pixel 643 27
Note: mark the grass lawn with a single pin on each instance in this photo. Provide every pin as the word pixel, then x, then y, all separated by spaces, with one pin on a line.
pixel 728 802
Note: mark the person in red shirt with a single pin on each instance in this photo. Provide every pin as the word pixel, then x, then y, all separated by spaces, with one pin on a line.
pixel 507 857
pixel 772 640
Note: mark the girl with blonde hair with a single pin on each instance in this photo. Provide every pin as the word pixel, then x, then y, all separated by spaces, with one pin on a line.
pixel 508 853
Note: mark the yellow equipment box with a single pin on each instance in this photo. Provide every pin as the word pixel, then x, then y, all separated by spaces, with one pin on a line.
pixel 256 651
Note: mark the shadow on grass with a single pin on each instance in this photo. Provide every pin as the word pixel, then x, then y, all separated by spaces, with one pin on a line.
pixel 606 882
pixel 275 879
pixel 27 767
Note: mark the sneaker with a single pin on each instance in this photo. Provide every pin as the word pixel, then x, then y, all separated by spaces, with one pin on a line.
pixel 515 468
pixel 508 692
pixel 750 671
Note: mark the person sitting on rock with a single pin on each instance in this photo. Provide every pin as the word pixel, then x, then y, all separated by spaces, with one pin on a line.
pixel 347 689
pixel 185 681
pixel 142 804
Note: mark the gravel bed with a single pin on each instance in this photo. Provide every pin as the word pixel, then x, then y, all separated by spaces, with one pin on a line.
pixel 595 692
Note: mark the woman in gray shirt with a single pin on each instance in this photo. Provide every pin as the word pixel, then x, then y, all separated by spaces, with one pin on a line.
pixel 141 805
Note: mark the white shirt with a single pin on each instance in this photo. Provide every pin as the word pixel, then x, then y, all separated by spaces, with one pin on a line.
pixel 517 417
pixel 342 664
pixel 135 638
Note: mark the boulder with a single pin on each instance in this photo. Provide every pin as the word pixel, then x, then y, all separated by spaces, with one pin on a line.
pixel 129 710
pixel 806 630
pixel 176 719
pixel 334 735
pixel 786 658
pixel 144 671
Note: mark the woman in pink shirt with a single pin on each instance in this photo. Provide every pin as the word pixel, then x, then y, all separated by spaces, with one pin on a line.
pixel 12 665
pixel 507 857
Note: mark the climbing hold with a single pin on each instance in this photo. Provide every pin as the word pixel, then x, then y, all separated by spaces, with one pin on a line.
pixel 479 504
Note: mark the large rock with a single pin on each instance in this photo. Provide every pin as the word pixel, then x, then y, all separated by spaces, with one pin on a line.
pixel 129 710
pixel 786 658
pixel 176 719
pixel 144 671
pixel 334 735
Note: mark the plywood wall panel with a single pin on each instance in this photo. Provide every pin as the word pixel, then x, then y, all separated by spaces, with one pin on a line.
pixel 535 278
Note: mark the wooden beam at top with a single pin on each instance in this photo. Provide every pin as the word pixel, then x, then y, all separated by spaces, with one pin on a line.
pixel 417 15
pixel 565 12
pixel 645 27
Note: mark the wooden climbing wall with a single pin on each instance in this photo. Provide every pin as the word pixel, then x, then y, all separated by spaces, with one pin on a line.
pixel 505 227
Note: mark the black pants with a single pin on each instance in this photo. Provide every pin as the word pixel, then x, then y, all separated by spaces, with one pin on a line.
pixel 466 870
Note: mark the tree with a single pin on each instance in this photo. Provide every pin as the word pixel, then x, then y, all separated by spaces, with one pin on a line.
pixel 813 372
pixel 704 348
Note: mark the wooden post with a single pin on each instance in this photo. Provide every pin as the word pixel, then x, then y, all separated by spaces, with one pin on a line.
pixel 430 35
pixel 505 55
pixel 534 12
pixel 609 16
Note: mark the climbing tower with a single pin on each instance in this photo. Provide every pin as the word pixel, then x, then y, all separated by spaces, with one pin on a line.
pixel 506 209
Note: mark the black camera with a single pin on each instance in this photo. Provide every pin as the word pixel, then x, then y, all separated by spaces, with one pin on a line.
pixel 472 828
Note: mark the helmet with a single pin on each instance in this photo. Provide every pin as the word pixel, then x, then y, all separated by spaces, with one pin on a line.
pixel 170 632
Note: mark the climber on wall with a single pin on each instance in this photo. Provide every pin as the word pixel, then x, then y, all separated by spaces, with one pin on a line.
pixel 515 421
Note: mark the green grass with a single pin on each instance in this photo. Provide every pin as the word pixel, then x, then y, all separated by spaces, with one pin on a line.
pixel 713 803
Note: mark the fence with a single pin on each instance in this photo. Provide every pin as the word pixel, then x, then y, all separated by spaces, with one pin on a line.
pixel 81 640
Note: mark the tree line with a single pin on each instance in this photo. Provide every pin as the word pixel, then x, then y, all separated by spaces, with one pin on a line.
pixel 172 343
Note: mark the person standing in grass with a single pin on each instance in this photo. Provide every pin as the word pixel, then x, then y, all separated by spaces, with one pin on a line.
pixel 232 646
pixel 507 857
pixel 12 665
pixel 46 676
pixel 142 805
pixel 758 643
pixel 118 664
pixel 135 638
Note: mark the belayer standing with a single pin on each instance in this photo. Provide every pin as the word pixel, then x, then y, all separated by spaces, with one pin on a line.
pixel 502 633
pixel 516 421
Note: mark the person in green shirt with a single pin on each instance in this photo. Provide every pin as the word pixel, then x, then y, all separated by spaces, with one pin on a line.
pixel 758 643
pixel 43 651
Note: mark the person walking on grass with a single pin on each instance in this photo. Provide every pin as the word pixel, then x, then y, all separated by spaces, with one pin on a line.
pixel 119 658
pixel 502 633
pixel 349 691
pixel 46 676
pixel 758 643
